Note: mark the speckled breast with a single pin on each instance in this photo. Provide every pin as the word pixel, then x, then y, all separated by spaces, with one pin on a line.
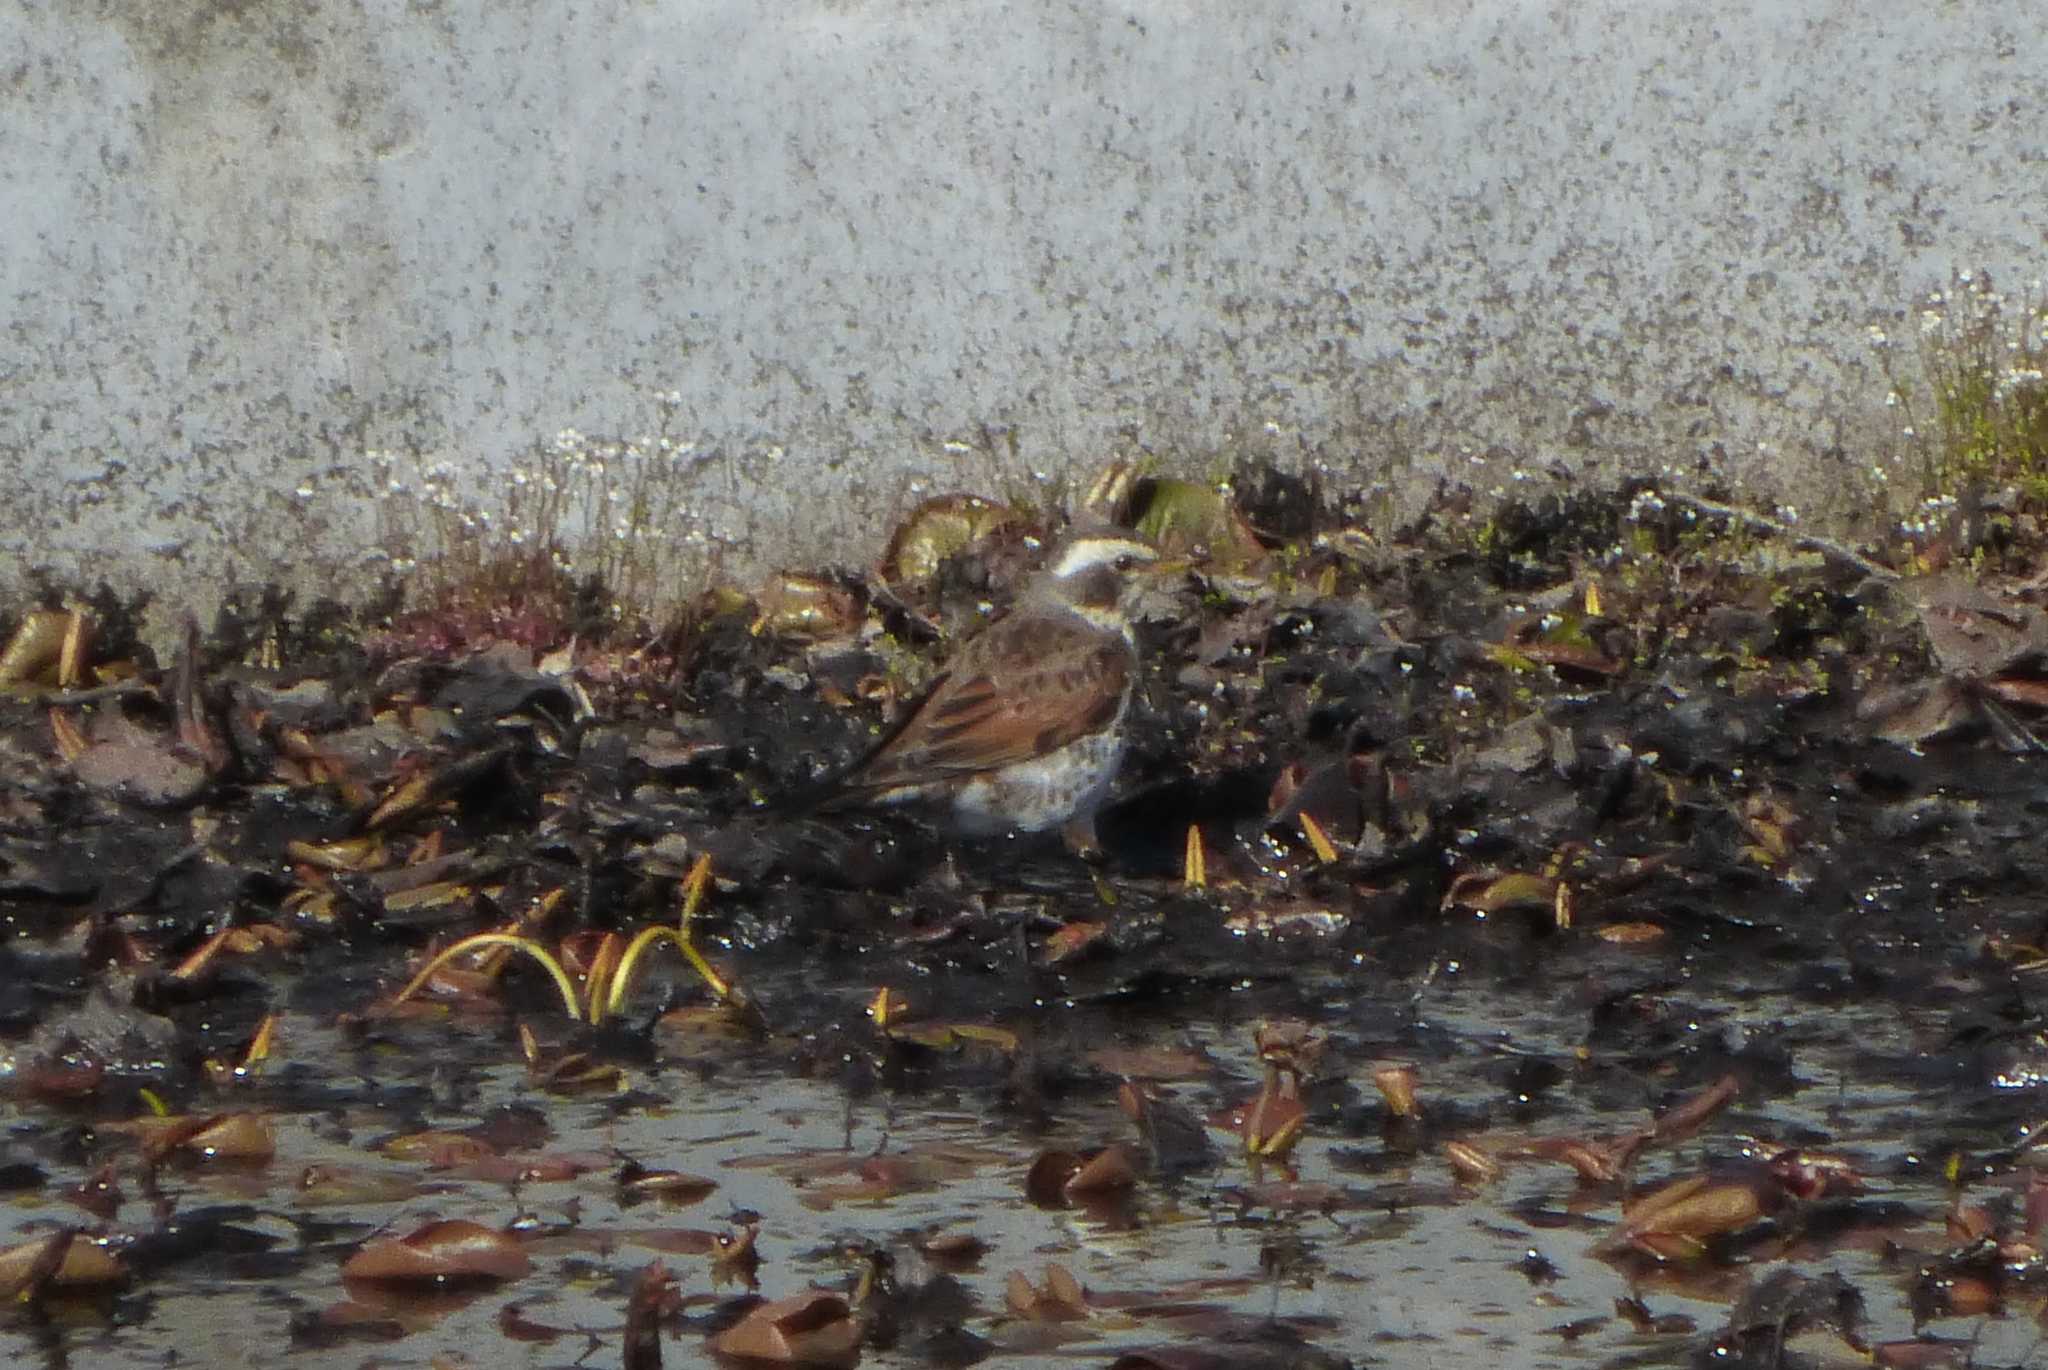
pixel 1032 796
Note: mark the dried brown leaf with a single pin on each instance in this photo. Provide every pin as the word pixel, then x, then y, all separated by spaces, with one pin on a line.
pixel 1687 1116
pixel 1274 1121
pixel 1598 1162
pixel 1630 934
pixel 672 1186
pixel 940 528
pixel 1396 1084
pixel 443 1252
pixel 1060 1299
pixel 64 1259
pixel 1071 939
pixel 1472 1165
pixel 1672 1222
pixel 35 654
pixel 1496 893
pixel 812 1328
pixel 1055 1177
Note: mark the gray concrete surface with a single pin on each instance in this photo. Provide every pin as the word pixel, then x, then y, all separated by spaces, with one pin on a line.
pixel 875 247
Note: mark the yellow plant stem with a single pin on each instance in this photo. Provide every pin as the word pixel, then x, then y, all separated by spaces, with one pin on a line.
pixel 498 939
pixel 620 980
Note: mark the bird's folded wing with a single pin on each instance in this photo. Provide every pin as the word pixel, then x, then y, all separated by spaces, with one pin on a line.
pixel 996 711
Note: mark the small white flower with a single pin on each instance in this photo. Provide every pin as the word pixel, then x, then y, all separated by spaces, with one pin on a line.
pixel 2015 379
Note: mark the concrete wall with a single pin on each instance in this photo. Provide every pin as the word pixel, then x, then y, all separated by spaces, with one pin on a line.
pixel 875 246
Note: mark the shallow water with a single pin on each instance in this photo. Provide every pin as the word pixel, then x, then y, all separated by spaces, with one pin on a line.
pixel 1413 1268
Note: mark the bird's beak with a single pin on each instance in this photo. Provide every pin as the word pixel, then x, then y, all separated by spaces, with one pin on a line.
pixel 1164 568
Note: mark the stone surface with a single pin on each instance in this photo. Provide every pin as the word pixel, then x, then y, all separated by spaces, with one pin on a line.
pixel 872 249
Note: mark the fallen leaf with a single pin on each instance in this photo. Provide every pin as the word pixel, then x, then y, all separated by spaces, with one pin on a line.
pixel 670 1186
pixel 65 1259
pixel 1472 1165
pixel 1060 1299
pixel 1396 1084
pixel 1629 934
pixel 1491 894
pixel 440 1252
pixel 812 1328
pixel 1058 1176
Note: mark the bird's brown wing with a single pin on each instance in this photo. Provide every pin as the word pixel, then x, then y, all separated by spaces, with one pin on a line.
pixel 1018 692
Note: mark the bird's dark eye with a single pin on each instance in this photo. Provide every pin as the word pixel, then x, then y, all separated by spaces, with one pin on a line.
pixel 1126 562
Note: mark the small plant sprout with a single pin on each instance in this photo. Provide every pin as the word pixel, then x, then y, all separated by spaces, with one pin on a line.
pixel 609 979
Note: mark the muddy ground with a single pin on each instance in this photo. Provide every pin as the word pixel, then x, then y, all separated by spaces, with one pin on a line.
pixel 1686 872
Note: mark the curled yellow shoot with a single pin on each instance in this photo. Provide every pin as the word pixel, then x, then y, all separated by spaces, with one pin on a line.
pixel 620 981
pixel 498 939
pixel 694 885
pixel 611 972
pixel 602 1006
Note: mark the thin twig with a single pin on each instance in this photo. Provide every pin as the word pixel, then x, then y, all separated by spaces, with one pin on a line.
pixel 1827 547
pixel 66 698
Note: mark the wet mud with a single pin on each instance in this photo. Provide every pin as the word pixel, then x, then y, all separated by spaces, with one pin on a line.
pixel 1607 933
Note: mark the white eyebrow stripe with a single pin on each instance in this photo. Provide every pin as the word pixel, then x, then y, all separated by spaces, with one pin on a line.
pixel 1088 552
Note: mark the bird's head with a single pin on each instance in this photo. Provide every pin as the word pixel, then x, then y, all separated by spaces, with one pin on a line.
pixel 1094 571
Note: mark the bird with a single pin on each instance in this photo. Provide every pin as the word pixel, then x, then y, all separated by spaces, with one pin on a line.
pixel 1023 730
